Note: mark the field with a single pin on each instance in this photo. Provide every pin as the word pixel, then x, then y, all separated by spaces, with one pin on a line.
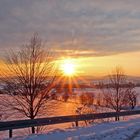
pixel 56 108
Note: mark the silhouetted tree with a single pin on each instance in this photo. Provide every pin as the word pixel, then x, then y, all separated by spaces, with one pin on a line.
pixel 29 78
pixel 131 97
pixel 115 95
pixel 86 100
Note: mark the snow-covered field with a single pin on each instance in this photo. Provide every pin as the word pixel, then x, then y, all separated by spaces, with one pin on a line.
pixel 123 130
pixel 54 108
pixel 55 131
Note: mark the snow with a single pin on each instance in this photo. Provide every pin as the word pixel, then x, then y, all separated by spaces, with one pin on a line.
pixel 122 130
pixel 61 131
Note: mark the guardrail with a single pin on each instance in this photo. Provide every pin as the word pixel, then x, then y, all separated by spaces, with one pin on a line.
pixel 18 124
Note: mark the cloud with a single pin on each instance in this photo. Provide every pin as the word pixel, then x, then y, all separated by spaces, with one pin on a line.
pixel 100 27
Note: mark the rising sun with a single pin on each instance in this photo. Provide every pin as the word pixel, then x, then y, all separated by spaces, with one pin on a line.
pixel 68 67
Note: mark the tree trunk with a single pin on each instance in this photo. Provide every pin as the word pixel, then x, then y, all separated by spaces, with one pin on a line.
pixel 33 130
pixel 117 118
pixel 32 117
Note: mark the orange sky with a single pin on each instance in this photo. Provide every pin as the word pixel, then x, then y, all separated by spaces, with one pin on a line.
pixel 103 65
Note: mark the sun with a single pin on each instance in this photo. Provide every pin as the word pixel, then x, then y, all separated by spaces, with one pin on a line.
pixel 68 67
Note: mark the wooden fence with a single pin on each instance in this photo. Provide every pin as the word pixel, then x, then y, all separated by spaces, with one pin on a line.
pixel 18 124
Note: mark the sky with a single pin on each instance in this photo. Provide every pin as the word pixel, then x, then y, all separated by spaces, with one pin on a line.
pixel 97 34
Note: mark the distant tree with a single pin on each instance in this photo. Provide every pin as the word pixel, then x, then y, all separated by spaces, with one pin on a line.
pixel 29 78
pixel 86 99
pixel 115 94
pixel 131 97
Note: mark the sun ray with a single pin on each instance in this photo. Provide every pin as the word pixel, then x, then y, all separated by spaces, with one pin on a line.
pixel 70 77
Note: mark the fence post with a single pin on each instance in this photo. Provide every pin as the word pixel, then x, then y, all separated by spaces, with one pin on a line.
pixel 76 123
pixel 10 133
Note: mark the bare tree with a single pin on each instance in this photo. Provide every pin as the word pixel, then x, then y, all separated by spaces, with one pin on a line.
pixel 115 94
pixel 86 99
pixel 29 79
pixel 131 97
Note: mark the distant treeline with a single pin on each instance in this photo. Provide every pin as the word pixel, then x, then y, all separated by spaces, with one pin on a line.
pixel 100 85
pixel 108 85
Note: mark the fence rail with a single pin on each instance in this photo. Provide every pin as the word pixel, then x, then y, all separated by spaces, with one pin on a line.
pixel 10 125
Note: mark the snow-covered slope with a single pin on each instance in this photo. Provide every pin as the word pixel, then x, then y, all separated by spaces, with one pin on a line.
pixel 122 130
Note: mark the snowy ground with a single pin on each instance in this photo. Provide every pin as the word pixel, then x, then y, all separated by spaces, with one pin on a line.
pixel 123 130
pixel 92 132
